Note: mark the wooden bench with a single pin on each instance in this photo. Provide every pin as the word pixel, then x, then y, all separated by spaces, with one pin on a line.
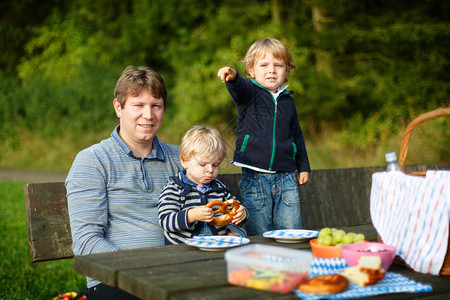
pixel 333 197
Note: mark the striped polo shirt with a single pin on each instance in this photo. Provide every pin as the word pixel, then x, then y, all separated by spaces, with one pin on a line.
pixel 113 196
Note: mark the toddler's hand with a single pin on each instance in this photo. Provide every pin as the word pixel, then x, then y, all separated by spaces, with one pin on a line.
pixel 303 178
pixel 200 213
pixel 226 74
pixel 240 216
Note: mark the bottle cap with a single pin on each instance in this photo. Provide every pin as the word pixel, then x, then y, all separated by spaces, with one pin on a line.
pixel 391 156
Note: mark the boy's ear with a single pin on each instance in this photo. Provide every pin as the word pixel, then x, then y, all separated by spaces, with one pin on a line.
pixel 252 74
pixel 183 161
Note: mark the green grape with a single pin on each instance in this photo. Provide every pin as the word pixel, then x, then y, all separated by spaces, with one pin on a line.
pixel 325 231
pixel 338 235
pixel 320 240
pixel 347 239
pixel 351 234
pixel 333 241
pixel 359 238
pixel 340 231
pixel 327 240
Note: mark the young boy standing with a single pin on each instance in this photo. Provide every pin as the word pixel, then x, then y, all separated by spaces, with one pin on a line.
pixel 181 210
pixel 269 144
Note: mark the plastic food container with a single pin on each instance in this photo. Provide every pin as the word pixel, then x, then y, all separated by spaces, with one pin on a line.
pixel 269 268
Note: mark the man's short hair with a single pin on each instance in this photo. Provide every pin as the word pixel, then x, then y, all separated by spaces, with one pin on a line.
pixel 134 79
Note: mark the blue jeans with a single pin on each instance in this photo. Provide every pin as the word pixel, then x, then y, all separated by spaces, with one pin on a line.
pixel 272 201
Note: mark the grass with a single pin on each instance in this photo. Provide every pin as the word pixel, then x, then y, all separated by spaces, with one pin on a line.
pixel 19 278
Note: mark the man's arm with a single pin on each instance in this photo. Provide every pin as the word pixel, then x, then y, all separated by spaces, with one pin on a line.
pixel 88 206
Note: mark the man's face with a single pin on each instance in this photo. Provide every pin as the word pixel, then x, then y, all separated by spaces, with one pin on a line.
pixel 140 118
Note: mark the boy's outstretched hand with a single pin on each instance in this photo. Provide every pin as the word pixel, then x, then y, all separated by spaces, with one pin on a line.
pixel 227 73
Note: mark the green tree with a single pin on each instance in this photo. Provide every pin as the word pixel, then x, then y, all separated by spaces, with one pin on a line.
pixel 364 68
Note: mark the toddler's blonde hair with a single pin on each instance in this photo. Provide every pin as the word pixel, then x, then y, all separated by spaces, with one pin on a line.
pixel 261 48
pixel 203 141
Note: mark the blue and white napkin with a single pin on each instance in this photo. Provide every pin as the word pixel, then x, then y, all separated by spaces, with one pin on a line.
pixel 391 283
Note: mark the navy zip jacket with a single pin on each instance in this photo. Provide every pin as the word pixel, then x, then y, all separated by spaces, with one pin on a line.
pixel 268 131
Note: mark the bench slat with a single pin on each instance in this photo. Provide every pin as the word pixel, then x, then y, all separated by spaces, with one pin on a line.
pixel 49 234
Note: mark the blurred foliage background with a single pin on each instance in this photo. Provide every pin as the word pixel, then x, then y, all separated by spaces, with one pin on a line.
pixel 365 69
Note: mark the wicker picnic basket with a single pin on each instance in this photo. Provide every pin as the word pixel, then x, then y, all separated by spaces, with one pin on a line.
pixel 445 270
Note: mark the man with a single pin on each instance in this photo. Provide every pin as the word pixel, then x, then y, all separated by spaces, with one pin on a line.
pixel 113 186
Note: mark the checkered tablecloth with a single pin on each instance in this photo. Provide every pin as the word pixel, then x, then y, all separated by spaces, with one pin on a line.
pixel 391 283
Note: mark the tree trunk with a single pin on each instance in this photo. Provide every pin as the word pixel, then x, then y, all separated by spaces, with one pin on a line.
pixel 276 11
pixel 323 58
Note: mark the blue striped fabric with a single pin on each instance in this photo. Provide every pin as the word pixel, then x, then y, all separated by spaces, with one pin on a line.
pixel 113 196
pixel 391 283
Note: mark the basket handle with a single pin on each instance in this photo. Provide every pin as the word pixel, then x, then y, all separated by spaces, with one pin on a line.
pixel 407 134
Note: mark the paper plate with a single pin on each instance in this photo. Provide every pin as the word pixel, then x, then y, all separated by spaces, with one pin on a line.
pixel 291 235
pixel 216 242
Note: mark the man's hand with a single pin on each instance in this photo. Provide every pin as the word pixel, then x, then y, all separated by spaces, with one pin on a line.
pixel 227 74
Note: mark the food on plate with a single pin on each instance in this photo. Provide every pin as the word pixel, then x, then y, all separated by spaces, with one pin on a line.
pixel 225 215
pixel 267 279
pixel 325 284
pixel 368 271
pixel 338 237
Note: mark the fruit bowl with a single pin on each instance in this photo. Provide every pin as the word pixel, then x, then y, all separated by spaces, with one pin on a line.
pixel 352 253
pixel 322 251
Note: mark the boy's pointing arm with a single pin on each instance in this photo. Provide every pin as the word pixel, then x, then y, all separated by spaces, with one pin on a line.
pixel 227 74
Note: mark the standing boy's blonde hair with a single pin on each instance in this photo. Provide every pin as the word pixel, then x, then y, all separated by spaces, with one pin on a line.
pixel 261 48
pixel 203 141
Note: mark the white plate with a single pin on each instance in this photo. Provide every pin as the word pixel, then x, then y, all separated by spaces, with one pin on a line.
pixel 291 235
pixel 216 242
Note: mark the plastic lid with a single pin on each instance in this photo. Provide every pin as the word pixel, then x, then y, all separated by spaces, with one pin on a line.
pixel 391 156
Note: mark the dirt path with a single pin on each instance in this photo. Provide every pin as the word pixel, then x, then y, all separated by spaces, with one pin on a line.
pixel 29 176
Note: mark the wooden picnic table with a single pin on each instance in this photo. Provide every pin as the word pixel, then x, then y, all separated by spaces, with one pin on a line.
pixel 185 272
